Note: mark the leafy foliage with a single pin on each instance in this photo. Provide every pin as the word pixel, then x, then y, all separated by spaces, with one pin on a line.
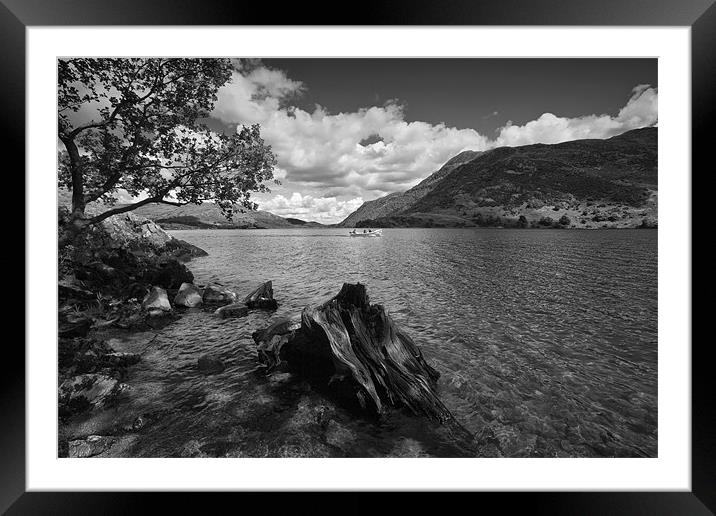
pixel 133 124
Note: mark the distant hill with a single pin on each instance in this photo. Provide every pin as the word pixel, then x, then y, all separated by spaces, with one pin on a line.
pixel 209 216
pixel 205 216
pixel 582 183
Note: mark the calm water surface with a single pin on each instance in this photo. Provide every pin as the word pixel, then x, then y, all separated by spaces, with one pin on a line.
pixel 546 342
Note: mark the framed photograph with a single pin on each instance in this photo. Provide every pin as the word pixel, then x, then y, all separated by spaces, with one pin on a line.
pixel 418 250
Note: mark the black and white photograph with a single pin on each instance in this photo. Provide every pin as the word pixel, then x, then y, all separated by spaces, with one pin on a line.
pixel 357 257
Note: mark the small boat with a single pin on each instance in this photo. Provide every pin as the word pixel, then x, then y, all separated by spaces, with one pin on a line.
pixel 369 233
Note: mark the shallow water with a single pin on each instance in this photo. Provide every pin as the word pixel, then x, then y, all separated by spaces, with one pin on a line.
pixel 546 341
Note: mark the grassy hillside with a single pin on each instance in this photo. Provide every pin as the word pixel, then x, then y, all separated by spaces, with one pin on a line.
pixel 401 201
pixel 208 215
pixel 583 183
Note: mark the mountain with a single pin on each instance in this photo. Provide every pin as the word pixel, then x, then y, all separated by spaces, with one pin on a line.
pixel 201 216
pixel 400 201
pixel 582 183
pixel 208 215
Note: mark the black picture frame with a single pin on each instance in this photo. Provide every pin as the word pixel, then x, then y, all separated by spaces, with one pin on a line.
pixel 700 15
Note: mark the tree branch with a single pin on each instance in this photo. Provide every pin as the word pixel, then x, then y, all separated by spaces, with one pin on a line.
pixel 123 209
pixel 106 187
pixel 172 203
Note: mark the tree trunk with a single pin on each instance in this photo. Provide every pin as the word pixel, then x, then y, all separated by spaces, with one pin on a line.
pixel 70 231
pixel 78 194
pixel 349 340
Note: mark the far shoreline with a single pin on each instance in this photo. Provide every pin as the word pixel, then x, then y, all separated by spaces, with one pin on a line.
pixel 414 227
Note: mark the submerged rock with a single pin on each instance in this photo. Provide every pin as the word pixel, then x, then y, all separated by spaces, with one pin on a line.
pixel 209 364
pixel 156 300
pixel 88 391
pixel 188 295
pixel 117 359
pixel 262 297
pixel 214 295
pixel 339 436
pixel 91 355
pixel 232 310
pixel 93 445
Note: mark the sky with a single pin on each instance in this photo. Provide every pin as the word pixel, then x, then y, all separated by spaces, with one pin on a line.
pixel 347 131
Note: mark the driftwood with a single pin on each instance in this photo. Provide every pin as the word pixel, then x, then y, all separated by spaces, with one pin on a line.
pixel 262 297
pixel 357 344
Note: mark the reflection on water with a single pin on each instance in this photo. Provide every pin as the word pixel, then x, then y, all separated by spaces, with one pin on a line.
pixel 546 342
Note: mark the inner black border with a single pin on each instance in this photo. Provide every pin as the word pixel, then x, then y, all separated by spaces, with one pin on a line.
pixel 16 15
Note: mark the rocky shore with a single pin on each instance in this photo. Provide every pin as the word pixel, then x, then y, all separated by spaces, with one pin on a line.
pixel 125 275
pixel 127 279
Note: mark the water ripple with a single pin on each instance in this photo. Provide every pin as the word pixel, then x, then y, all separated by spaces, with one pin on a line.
pixel 545 339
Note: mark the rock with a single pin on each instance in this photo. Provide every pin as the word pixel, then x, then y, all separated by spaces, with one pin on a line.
pixel 93 445
pixel 71 351
pixel 126 229
pixel 89 355
pixel 189 296
pixel 214 295
pixel 208 364
pixel 87 391
pixel 232 310
pixel 71 326
pixel 67 289
pixel 166 272
pixel 156 300
pixel 138 423
pixel 181 250
pixel 117 359
pixel 103 270
pixel 262 297
pixel 157 319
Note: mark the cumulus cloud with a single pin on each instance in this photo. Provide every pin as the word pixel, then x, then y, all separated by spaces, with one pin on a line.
pixel 373 148
pixel 307 207
pixel 373 151
pixel 641 110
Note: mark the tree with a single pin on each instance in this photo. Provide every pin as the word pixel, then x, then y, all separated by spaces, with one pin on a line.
pixel 564 220
pixel 134 125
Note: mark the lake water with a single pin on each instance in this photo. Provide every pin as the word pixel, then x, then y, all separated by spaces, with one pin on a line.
pixel 546 342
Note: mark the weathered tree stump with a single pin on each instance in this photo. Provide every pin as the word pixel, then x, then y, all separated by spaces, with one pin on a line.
pixel 262 297
pixel 351 341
